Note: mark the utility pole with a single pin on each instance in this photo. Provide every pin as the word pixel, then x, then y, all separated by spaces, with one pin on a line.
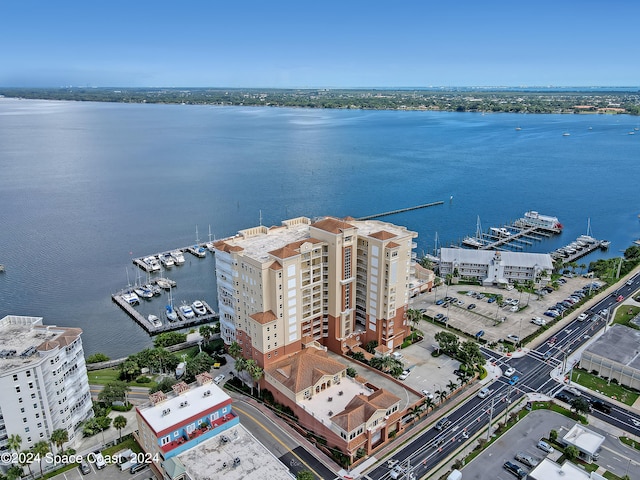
pixel 490 419
pixel 506 410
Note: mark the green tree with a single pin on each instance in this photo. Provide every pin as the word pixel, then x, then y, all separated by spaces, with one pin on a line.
pixel 579 405
pixel 371 346
pixel 119 423
pixel 470 354
pixel 304 475
pixel 452 386
pixel 198 364
pixel 129 369
pixel 40 450
pixel 59 437
pixel 553 435
pixel 14 443
pixel 167 339
pixel 359 356
pixel 352 372
pixel 14 473
pixel 571 452
pixel 206 332
pixel 112 392
pixel 235 350
pixel 441 395
pixel 23 460
pixel 448 342
pixel 97 357
pixel 428 404
pixel 164 385
pixel 256 373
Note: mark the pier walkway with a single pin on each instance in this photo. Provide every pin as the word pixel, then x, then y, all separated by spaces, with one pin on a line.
pixel 400 210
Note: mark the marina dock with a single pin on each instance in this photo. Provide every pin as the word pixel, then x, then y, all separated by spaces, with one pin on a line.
pixel 209 317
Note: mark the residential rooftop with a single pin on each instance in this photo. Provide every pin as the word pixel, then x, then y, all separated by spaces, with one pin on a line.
pixel 22 338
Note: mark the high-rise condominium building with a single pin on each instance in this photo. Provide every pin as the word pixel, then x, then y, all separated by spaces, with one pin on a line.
pixel 43 381
pixel 335 282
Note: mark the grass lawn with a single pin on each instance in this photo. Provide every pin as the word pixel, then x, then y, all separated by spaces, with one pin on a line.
pixel 611 476
pixel 104 376
pixel 626 313
pixel 630 442
pixel 598 384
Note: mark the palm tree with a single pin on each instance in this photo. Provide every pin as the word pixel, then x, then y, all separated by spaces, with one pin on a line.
pixel 255 371
pixel 235 350
pixel 25 460
pixel 452 386
pixel 441 395
pixel 59 437
pixel 429 404
pixel 14 443
pixel 416 411
pixel 14 473
pixel 40 450
pixel 120 422
pixel 240 366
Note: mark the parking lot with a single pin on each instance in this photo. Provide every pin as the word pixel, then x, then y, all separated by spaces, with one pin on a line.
pixel 110 472
pixel 524 436
pixel 495 321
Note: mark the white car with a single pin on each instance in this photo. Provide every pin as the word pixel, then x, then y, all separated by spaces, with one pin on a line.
pixel 539 321
pixel 484 392
pixel 427 394
pixel 404 375
pixel 509 371
pixel 218 379
pixel 574 391
pixel 582 316
pixel 397 472
pixel 514 338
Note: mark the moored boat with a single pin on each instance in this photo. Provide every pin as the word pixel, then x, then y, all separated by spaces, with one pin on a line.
pixel 535 219
pixel 187 311
pixel 131 298
pixel 154 320
pixel 199 308
pixel 178 257
pixel 167 260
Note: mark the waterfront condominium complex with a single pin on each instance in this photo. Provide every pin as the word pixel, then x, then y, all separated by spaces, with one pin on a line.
pixel 338 283
pixel 43 381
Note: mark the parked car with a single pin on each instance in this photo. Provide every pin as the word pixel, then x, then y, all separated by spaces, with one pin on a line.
pixel 99 460
pixel 491 299
pixel 404 374
pixel 480 334
pixel 513 338
pixel 515 469
pixel 218 379
pixel 528 460
pixel 137 467
pixel 471 306
pixel 84 467
pixel 545 447
pixel 551 313
pixel 538 321
pixel 438 316
pixel 443 423
pixel 427 394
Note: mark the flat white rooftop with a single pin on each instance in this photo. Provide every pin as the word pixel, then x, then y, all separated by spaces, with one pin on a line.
pixel 550 470
pixel 584 439
pixel 174 410
pixel 214 459
pixel 19 339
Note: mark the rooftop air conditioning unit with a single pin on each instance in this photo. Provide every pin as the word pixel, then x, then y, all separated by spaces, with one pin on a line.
pixel 166 411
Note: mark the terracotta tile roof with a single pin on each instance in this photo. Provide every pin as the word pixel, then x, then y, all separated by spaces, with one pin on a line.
pixel 284 252
pixel 304 369
pixel 332 225
pixel 276 265
pixel 393 245
pixel 264 317
pixel 69 336
pixel 225 247
pixel 361 408
pixel 382 349
pixel 48 345
pixel 383 235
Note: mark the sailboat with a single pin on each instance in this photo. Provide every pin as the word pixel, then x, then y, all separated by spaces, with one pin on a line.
pixel 170 312
pixel 210 243
pixel 475 242
pixel 198 250
pixel 129 296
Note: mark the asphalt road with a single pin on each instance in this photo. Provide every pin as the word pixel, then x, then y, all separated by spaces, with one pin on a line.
pixel 431 447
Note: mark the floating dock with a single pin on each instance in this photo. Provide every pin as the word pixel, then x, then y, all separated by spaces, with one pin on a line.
pixel 578 249
pixel 209 317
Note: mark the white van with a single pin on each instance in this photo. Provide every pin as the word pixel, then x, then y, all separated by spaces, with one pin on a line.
pixel 100 463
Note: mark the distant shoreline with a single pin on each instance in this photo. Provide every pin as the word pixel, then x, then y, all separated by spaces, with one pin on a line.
pixel 480 100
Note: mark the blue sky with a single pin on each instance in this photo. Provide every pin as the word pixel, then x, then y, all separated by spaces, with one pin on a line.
pixel 238 43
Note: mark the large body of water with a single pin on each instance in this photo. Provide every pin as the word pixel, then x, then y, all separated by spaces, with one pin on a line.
pixel 87 186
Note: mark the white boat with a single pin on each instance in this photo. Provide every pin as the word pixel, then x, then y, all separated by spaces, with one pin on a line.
pixel 169 311
pixel 535 219
pixel 199 308
pixel 604 244
pixel 210 243
pixel 187 311
pixel 500 231
pixel 1 268
pixel 131 298
pixel 165 283
pixel 472 242
pixel 152 264
pixel 167 261
pixel 154 289
pixel 566 134
pixel 178 257
pixel 154 320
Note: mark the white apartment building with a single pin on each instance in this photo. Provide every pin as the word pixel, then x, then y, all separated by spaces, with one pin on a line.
pixel 43 381
pixel 283 287
pixel 492 267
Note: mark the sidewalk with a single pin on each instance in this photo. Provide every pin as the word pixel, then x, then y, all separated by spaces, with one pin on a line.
pixel 98 442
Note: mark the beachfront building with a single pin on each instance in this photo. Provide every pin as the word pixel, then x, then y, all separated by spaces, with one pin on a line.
pixel 43 380
pixel 333 282
pixel 492 267
pixel 171 424
pixel 614 355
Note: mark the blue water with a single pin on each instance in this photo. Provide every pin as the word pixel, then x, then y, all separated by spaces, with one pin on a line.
pixel 86 187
